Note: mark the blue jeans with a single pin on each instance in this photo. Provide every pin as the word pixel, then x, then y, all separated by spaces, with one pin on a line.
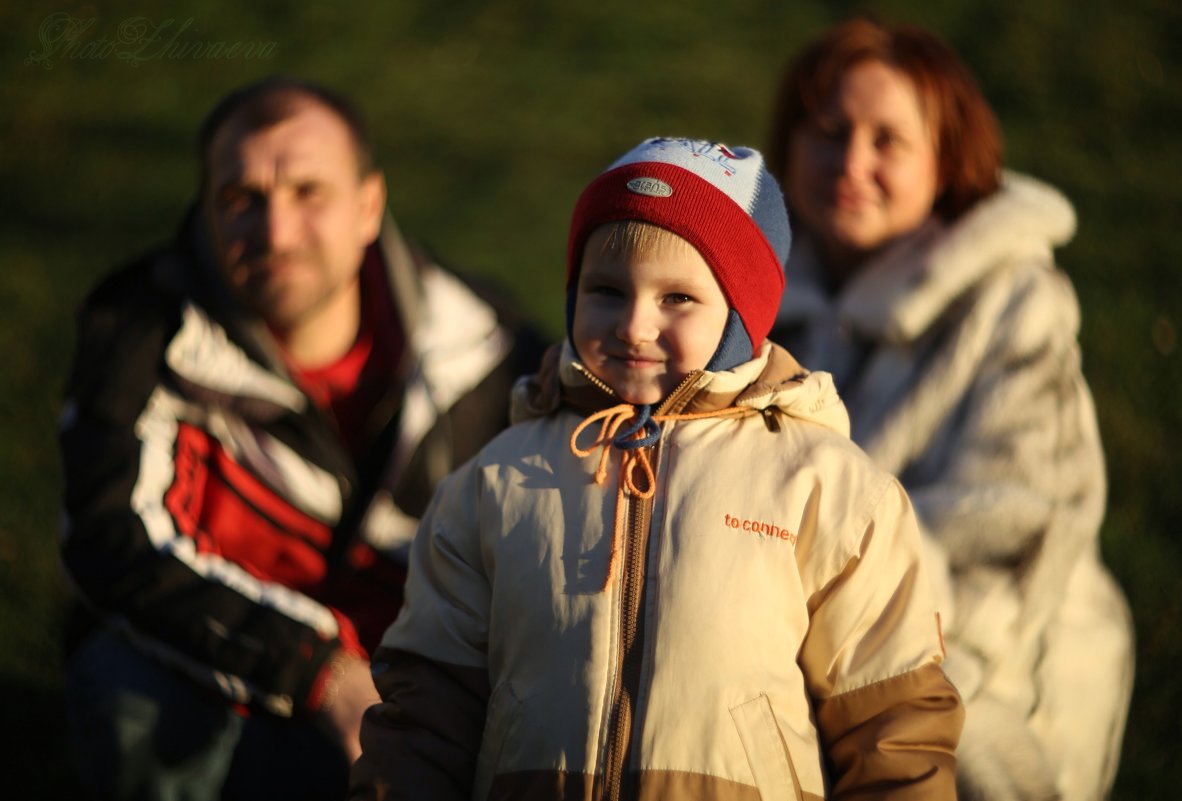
pixel 141 731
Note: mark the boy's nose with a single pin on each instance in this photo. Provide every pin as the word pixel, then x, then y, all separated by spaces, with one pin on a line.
pixel 636 324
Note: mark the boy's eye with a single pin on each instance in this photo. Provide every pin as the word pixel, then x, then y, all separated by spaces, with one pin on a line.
pixel 602 289
pixel 677 298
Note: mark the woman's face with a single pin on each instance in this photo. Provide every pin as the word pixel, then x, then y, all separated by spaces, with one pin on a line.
pixel 863 171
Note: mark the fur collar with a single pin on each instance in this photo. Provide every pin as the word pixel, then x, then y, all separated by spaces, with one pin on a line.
pixel 900 292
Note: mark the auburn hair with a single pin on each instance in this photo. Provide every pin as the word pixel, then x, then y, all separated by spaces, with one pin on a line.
pixel 964 128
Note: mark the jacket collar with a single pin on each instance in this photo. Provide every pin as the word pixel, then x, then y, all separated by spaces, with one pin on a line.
pixel 773 380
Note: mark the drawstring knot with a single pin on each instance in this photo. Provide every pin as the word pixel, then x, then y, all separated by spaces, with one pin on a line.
pixel 640 431
pixel 631 441
pixel 628 440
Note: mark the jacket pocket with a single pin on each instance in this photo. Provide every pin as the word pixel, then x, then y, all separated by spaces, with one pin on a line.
pixel 767 753
pixel 504 710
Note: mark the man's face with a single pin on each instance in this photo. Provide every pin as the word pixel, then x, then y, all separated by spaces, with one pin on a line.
pixel 290 216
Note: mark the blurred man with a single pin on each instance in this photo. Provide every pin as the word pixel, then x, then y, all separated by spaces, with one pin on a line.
pixel 256 416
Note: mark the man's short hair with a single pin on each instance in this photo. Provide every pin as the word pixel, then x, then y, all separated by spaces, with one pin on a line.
pixel 272 100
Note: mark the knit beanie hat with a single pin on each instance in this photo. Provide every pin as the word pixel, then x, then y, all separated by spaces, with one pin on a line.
pixel 724 202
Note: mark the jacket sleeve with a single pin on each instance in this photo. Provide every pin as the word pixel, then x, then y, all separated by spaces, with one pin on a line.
pixel 255 640
pixel 888 717
pixel 423 739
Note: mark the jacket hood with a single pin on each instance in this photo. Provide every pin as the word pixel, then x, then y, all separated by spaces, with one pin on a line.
pixel 901 291
pixel 772 381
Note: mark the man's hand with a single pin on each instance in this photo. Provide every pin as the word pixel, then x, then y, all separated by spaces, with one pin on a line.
pixel 348 692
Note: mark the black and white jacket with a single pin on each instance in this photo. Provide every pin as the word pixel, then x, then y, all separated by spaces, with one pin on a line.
pixel 213 514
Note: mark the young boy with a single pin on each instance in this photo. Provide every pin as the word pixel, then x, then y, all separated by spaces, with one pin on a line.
pixel 675 577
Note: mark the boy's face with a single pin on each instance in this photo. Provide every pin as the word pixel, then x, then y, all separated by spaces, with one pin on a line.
pixel 644 321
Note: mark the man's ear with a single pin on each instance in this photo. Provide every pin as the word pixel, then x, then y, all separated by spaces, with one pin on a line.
pixel 373 204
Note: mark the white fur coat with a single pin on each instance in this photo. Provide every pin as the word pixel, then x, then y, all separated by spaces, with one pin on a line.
pixel 956 353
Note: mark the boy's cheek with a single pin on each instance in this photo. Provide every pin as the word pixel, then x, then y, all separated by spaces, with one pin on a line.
pixel 583 334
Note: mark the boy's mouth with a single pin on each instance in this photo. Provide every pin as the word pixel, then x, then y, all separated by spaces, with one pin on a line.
pixel 635 361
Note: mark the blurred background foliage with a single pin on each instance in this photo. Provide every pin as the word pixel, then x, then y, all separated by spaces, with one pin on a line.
pixel 489 118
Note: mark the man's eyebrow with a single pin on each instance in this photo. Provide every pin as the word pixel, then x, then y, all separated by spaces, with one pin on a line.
pixel 243 181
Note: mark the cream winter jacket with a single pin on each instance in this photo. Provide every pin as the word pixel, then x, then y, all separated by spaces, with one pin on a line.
pixel 760 627
pixel 955 351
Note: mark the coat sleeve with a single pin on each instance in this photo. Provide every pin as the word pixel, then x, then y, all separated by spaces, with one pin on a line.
pixel 423 739
pixel 888 717
pixel 255 641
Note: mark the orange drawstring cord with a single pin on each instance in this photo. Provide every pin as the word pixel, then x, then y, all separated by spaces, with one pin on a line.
pixel 610 421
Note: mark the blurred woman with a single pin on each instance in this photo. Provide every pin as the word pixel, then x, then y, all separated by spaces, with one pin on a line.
pixel 922 277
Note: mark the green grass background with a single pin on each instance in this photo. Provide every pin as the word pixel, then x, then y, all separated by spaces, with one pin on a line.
pixel 489 117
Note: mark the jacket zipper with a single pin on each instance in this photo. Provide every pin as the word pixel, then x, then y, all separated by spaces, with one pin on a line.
pixel 670 399
pixel 596 381
pixel 631 648
pixel 631 663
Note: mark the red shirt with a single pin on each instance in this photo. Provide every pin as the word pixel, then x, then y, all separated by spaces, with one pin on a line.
pixel 349 388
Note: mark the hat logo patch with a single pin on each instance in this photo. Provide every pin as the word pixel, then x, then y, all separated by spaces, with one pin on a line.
pixel 650 187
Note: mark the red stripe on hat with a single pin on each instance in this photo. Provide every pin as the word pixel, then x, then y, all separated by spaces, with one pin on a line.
pixel 726 236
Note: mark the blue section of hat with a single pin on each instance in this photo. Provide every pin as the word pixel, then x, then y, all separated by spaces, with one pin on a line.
pixel 771 216
pixel 735 346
